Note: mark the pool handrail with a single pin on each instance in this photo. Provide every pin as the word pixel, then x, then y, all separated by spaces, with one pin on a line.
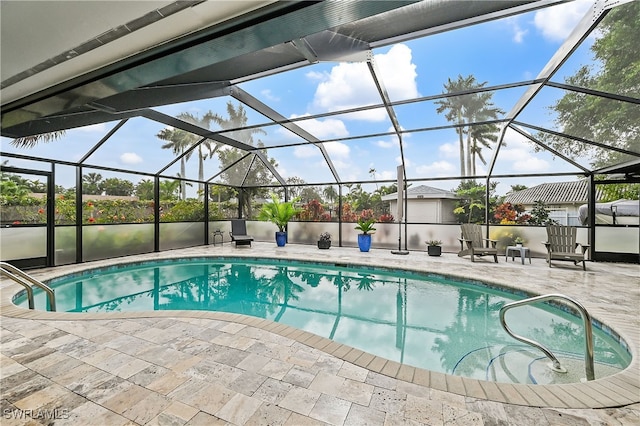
pixel 24 279
pixel 588 331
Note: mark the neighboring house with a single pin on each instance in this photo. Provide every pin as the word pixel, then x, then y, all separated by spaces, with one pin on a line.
pixel 563 199
pixel 426 205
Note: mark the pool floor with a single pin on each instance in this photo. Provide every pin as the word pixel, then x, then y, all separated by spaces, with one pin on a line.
pixel 194 367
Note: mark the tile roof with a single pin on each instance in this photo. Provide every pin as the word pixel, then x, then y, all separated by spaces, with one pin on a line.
pixel 553 193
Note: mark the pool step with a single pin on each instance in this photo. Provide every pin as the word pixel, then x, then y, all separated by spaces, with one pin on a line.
pixel 523 365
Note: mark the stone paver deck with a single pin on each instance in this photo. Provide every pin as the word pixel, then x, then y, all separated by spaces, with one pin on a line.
pixel 193 367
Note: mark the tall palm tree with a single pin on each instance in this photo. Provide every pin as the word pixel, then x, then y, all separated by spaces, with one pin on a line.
pixel 480 108
pixel 258 175
pixel 207 148
pixel 454 107
pixel 462 110
pixel 179 141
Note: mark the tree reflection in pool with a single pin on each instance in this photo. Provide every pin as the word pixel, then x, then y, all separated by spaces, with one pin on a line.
pixel 423 320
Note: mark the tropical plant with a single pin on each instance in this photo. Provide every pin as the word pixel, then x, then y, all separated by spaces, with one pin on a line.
pixel 278 213
pixel 472 204
pixel 366 226
pixel 508 213
pixel 434 243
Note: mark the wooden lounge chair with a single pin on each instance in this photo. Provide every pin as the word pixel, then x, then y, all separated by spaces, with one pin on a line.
pixel 561 245
pixel 239 232
pixel 472 243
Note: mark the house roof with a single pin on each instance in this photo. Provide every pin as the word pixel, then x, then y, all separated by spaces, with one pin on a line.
pixel 553 193
pixel 423 191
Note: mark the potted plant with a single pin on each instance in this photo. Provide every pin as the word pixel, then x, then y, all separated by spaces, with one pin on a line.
pixel 279 213
pixel 366 227
pixel 434 247
pixel 324 241
pixel 519 241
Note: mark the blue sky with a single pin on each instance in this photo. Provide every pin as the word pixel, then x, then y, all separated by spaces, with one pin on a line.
pixel 498 52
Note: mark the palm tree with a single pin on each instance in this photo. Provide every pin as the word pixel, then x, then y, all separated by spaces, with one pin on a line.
pixel 207 148
pixel 31 141
pixel 465 109
pixel 258 175
pixel 91 183
pixel 454 105
pixel 179 141
pixel 480 108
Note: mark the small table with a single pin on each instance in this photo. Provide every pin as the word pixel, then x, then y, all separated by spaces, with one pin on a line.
pixel 218 233
pixel 524 251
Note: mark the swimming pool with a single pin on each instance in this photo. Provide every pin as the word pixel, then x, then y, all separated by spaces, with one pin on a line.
pixel 423 320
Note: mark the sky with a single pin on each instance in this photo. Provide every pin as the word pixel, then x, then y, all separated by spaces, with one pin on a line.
pixel 498 52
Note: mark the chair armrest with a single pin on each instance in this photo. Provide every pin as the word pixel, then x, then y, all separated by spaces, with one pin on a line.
pixel 493 242
pixel 585 247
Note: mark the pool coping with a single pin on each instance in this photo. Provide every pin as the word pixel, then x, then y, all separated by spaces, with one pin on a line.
pixel 620 389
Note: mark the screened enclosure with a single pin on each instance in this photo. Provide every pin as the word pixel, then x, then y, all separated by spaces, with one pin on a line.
pixel 470 111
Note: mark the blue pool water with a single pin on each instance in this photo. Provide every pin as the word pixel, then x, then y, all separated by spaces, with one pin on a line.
pixel 426 321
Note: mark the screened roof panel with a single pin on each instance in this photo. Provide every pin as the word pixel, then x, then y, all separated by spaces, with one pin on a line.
pixel 594 123
pixel 136 146
pixel 453 55
pixel 73 145
pixel 240 116
pixel 305 162
pixel 237 164
pixel 508 53
pixel 520 155
pixel 274 135
pixel 194 168
pixel 353 124
pixel 354 159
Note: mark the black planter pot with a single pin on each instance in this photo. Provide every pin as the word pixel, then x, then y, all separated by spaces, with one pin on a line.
pixel 324 244
pixel 434 250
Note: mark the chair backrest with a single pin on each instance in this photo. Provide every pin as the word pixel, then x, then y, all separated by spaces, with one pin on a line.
pixel 562 238
pixel 238 227
pixel 472 232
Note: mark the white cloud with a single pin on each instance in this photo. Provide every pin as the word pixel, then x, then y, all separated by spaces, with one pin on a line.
pixel 306 151
pixel 267 93
pixel 519 153
pixel 449 150
pixel 531 164
pixel 385 144
pixel 518 32
pixel 337 150
pixel 315 75
pixel 323 129
pixel 557 22
pixel 349 85
pixel 386 175
pixel 437 168
pixel 130 158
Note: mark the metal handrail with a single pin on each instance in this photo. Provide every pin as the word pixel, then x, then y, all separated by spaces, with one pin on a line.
pixel 24 279
pixel 588 331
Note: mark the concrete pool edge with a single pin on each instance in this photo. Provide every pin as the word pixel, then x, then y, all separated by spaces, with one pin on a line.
pixel 620 389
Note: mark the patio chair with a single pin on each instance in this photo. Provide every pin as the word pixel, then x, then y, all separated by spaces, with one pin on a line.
pixel 472 243
pixel 239 232
pixel 561 245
